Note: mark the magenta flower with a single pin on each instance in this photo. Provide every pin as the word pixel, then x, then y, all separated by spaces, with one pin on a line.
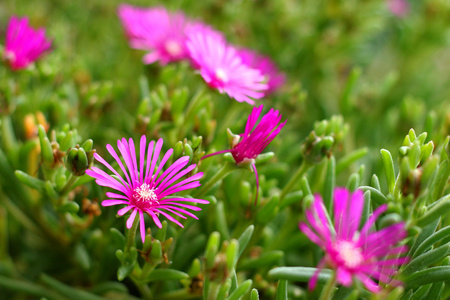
pixel 158 31
pixel 23 44
pixel 399 8
pixel 354 253
pixel 256 137
pixel 147 190
pixel 222 68
pixel 274 78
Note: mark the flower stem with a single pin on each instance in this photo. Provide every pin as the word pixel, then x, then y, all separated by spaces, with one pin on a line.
pixel 328 289
pixel 131 236
pixel 66 189
pixel 226 169
pixel 295 179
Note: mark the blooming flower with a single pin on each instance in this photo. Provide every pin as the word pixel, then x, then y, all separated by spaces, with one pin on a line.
pixel 352 252
pixel 222 68
pixel 398 7
pixel 147 190
pixel 274 78
pixel 255 138
pixel 23 44
pixel 158 31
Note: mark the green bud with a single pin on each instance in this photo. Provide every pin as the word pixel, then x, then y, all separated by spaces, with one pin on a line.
pixel 88 145
pixel 178 150
pixel 188 151
pixel 156 253
pixel 77 161
pixel 197 142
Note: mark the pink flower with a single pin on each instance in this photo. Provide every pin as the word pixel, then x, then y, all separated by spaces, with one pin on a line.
pixel 23 44
pixel 274 78
pixel 158 31
pixel 256 137
pixel 221 67
pixel 146 190
pixel 399 8
pixel 354 253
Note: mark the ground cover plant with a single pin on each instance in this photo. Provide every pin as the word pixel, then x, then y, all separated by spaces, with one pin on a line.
pixel 224 149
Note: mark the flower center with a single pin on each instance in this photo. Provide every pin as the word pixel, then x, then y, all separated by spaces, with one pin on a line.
pixel 173 48
pixel 349 254
pixel 221 75
pixel 145 195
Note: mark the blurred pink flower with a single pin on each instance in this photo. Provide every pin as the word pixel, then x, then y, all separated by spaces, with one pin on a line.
pixel 400 8
pixel 159 31
pixel 23 44
pixel 145 190
pixel 221 67
pixel 352 252
pixel 256 137
pixel 274 78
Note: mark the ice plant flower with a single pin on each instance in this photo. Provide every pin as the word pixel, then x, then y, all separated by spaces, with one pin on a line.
pixel 274 78
pixel 23 44
pixel 353 252
pixel 399 8
pixel 159 31
pixel 256 137
pixel 146 186
pixel 222 68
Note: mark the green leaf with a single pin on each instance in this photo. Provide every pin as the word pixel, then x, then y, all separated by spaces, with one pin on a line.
pixel 423 235
pixel 117 237
pixel 69 207
pixel 241 290
pixel 442 206
pixel 424 260
pixel 124 271
pixel 166 274
pixel 282 293
pixel 424 277
pixel 211 248
pixel 82 256
pixel 232 254
pixel 221 221
pixel 350 158
pixel 389 169
pixel 375 194
pixel 29 288
pixel 245 238
pixel 267 259
pixel 254 295
pixel 441 180
pixel 300 274
pixel 432 239
pixel 68 291
pixel 30 181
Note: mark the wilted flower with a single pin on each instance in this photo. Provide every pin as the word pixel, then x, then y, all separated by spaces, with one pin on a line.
pixel 354 253
pixel 274 78
pixel 398 7
pixel 256 137
pixel 147 190
pixel 23 44
pixel 158 31
pixel 222 68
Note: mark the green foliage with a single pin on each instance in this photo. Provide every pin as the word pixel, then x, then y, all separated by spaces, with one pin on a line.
pixel 358 79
